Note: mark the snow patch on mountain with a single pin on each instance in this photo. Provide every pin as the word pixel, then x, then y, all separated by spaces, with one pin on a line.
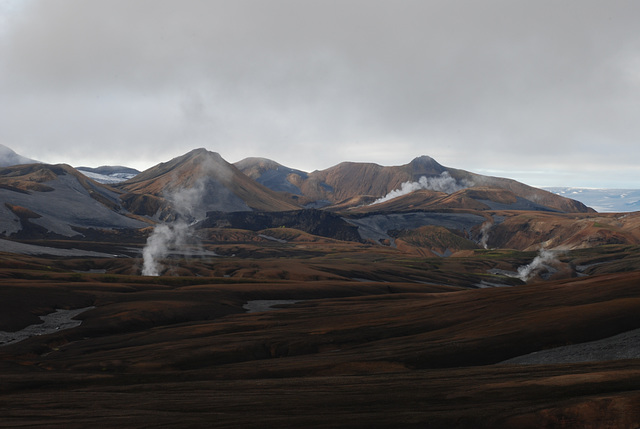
pixel 109 175
pixel 108 179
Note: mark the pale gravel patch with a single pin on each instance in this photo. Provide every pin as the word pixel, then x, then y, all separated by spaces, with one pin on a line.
pixel 31 249
pixel 621 346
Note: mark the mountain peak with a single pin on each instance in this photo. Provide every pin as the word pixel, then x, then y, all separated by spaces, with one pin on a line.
pixel 211 181
pixel 425 165
pixel 199 155
pixel 426 161
pixel 8 157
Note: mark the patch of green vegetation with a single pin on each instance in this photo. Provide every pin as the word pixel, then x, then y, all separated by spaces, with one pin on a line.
pixel 175 281
pixel 603 225
pixel 76 277
pixel 30 275
pixel 501 253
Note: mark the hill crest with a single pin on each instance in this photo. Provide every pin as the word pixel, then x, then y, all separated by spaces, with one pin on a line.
pixel 206 182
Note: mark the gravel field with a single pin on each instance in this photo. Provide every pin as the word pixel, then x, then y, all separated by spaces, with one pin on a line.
pixel 621 346
pixel 30 249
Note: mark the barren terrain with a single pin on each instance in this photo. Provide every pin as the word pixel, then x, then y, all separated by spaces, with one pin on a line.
pixel 375 338
pixel 279 298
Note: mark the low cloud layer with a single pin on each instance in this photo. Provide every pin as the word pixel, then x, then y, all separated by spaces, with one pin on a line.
pixel 543 91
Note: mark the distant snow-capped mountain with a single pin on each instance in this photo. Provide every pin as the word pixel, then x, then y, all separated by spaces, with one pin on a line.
pixel 109 174
pixel 8 158
pixel 603 200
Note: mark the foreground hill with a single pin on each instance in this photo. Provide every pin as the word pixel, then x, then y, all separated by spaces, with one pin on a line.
pixel 41 200
pixel 348 353
pixel 197 182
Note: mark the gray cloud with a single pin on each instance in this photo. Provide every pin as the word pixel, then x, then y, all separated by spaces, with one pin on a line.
pixel 548 89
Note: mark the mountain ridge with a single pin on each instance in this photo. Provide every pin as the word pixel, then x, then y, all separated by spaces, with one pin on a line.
pixel 382 204
pixel 352 180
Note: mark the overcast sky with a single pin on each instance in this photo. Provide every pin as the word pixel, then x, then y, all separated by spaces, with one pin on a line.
pixel 545 92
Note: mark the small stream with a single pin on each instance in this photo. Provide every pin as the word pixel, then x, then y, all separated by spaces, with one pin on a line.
pixel 52 322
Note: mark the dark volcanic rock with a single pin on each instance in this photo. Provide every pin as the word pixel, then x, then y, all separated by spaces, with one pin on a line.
pixel 316 222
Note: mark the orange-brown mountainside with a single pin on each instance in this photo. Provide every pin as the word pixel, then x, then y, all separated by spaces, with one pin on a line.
pixel 535 195
pixel 203 178
pixel 534 230
pixel 477 199
pixel 349 180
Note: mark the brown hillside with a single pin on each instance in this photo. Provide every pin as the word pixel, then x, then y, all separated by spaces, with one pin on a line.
pixel 533 230
pixel 423 200
pixel 347 180
pixel 351 179
pixel 343 184
pixel 207 173
pixel 256 167
pixel 538 196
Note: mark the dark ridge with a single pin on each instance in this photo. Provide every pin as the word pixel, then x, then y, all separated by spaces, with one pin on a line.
pixel 425 166
pixel 312 221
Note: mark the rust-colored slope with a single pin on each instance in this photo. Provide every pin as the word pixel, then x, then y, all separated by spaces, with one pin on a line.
pixel 538 196
pixel 352 179
pixel 533 230
pixel 348 184
pixel 423 200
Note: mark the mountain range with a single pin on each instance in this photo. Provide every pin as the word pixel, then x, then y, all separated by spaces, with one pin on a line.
pixel 386 205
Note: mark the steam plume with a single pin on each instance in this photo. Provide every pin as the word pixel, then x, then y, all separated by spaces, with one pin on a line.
pixel 484 234
pixel 542 260
pixel 168 237
pixel 164 239
pixel 443 183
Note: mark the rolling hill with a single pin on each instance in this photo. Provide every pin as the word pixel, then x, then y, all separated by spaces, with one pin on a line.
pixel 197 182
